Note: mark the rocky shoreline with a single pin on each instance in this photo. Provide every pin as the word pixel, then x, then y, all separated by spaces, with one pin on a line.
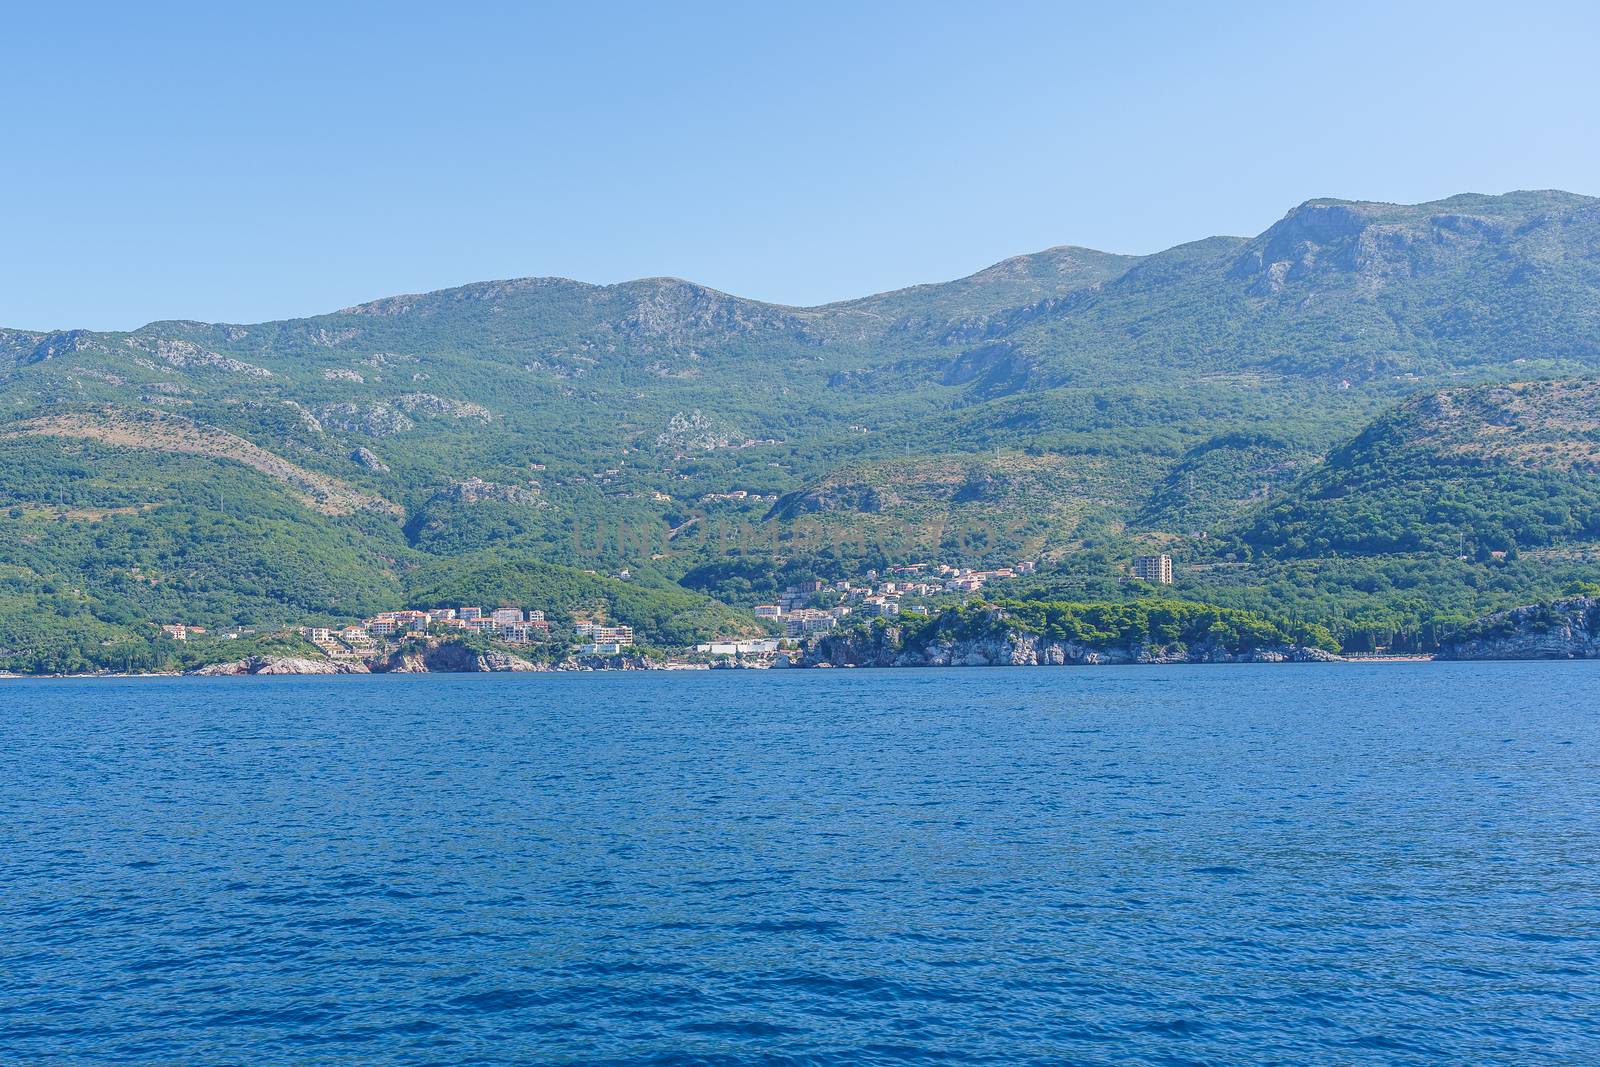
pixel 1016 649
pixel 434 657
pixel 1562 629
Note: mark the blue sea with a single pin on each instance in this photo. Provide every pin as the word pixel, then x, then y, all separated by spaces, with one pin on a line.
pixel 1321 864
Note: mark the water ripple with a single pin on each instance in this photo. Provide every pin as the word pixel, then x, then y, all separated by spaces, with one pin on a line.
pixel 1168 866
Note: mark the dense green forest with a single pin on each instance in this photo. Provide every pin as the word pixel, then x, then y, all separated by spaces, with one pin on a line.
pixel 1146 620
pixel 1148 628
pixel 1476 471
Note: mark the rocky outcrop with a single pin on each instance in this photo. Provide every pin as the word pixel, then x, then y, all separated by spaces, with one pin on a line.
pixel 674 316
pixel 852 496
pixel 1371 245
pixel 386 418
pixel 374 420
pixel 475 491
pixel 186 355
pixel 37 348
pixel 447 657
pixel 503 661
pixel 883 648
pixel 694 433
pixel 1564 629
pixel 281 665
pixel 431 406
pixel 999 367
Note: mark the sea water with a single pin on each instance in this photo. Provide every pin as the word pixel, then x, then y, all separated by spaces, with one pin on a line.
pixel 1343 863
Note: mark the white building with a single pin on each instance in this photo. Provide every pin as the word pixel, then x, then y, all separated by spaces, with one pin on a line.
pixel 1156 569
pixel 808 620
pixel 622 635
pixel 738 648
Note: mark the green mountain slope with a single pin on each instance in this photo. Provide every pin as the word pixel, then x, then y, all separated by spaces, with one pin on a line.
pixel 1339 291
pixel 1056 403
pixel 1478 470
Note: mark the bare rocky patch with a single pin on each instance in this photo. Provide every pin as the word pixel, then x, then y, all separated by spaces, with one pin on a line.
pixel 168 433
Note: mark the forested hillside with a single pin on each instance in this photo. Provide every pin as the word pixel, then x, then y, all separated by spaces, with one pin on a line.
pixel 1488 469
pixel 1069 406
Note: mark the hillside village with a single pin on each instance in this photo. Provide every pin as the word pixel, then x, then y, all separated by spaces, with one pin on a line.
pixel 804 610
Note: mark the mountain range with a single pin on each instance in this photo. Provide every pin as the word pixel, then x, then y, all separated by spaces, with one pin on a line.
pixel 1252 405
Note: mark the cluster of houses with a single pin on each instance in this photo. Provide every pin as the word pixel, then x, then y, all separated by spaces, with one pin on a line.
pixel 738 494
pixel 514 626
pixel 603 640
pixel 813 606
pixel 803 609
pixel 180 632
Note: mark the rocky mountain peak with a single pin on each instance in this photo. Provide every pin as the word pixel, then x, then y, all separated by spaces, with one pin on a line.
pixel 676 310
pixel 1371 244
pixel 476 293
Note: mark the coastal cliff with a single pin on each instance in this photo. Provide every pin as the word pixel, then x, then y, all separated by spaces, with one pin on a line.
pixel 429 657
pixel 1561 629
pixel 1002 644
pixel 281 665
pixel 447 657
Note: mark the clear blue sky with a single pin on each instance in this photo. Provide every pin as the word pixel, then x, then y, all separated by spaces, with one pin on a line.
pixel 197 161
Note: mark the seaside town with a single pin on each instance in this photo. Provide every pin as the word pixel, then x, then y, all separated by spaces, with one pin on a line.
pixel 802 610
